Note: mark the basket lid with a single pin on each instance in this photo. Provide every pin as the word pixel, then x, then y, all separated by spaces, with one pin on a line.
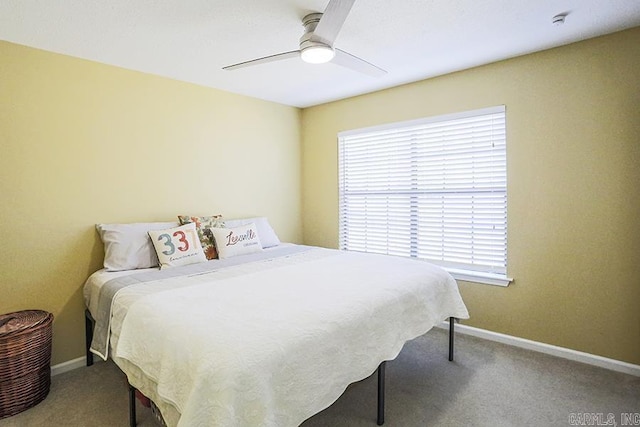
pixel 18 321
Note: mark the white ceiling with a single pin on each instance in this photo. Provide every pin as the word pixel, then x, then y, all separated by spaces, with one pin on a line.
pixel 191 40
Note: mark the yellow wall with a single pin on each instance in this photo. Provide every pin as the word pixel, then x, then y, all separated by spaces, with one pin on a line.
pixel 573 160
pixel 83 143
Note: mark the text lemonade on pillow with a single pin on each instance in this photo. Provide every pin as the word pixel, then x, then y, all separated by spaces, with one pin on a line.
pixel 246 239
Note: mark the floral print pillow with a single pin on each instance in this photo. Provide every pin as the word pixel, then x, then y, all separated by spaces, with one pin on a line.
pixel 204 224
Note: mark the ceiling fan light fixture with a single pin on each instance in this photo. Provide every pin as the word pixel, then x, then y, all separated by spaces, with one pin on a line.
pixel 317 54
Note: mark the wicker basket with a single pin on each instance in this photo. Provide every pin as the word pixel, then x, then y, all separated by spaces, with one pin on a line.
pixel 25 359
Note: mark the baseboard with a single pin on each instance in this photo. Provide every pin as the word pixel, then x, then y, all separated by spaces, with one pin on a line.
pixel 565 353
pixel 67 366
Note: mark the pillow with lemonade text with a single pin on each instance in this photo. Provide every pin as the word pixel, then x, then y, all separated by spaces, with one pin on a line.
pixel 235 241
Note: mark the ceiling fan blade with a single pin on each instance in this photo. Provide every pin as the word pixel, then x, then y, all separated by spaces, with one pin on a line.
pixel 353 62
pixel 332 20
pixel 263 60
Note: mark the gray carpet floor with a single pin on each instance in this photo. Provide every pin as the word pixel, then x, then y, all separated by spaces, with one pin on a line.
pixel 489 384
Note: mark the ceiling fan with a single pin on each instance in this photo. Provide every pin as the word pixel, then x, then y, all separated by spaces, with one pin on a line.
pixel 316 44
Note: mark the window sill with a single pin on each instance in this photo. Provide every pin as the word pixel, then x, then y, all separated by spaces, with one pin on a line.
pixel 479 277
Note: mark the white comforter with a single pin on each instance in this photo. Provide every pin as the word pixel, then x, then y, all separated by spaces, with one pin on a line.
pixel 272 343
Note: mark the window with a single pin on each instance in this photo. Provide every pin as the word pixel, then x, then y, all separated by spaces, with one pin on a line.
pixel 433 189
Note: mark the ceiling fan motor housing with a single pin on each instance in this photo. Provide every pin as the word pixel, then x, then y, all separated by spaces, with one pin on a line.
pixel 310 22
pixel 312 49
pixel 309 39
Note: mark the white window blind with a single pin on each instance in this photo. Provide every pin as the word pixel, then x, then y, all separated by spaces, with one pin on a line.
pixel 433 189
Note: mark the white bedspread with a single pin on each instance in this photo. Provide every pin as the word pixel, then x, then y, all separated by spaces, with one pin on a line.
pixel 272 343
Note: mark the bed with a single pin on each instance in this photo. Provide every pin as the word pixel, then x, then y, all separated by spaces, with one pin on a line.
pixel 267 338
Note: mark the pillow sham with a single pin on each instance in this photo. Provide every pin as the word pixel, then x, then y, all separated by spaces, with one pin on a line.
pixel 268 236
pixel 127 246
pixel 177 246
pixel 203 226
pixel 240 240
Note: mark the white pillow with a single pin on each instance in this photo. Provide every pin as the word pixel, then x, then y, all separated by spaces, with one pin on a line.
pixel 240 240
pixel 177 246
pixel 127 246
pixel 268 237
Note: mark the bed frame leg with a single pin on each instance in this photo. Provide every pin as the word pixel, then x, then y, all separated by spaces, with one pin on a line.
pixel 452 321
pixel 132 406
pixel 381 368
pixel 88 335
